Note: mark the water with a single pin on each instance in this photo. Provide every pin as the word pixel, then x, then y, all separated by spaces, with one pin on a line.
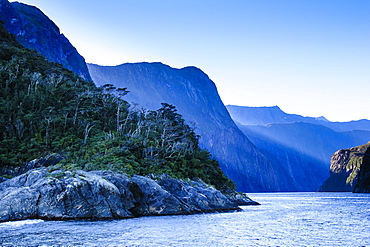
pixel 283 219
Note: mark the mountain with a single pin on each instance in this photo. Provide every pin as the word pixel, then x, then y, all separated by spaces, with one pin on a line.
pixel 34 30
pixel 303 148
pixel 344 169
pixel 303 144
pixel 189 89
pixel 196 98
pixel 251 168
pixel 267 115
pixel 47 110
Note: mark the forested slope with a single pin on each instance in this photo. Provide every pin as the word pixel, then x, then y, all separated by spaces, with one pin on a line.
pixel 46 108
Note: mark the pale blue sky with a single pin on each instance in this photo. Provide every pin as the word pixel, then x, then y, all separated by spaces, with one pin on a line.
pixel 309 57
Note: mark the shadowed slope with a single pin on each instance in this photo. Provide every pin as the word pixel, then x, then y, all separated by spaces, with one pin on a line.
pixel 196 98
pixel 34 30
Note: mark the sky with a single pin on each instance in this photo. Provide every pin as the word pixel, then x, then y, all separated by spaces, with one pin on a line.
pixel 309 57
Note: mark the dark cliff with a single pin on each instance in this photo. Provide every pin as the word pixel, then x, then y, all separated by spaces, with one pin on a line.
pixel 344 169
pixel 34 30
pixel 363 179
pixel 196 98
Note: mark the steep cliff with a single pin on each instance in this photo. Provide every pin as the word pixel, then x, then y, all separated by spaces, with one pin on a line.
pixel 35 30
pixel 363 179
pixel 344 168
pixel 197 99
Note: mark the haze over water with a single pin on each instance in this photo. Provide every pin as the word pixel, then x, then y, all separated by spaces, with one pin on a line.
pixel 283 219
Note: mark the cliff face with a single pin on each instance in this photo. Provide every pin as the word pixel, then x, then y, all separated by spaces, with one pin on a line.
pixel 34 30
pixel 196 98
pixel 363 179
pixel 344 169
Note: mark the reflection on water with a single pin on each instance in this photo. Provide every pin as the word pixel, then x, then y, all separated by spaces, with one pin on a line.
pixel 283 219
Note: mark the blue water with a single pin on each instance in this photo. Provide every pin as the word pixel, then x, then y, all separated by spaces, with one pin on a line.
pixel 283 219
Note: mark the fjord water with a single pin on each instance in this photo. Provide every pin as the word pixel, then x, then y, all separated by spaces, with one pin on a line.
pixel 283 219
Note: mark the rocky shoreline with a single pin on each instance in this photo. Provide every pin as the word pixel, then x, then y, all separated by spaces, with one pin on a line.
pixel 75 194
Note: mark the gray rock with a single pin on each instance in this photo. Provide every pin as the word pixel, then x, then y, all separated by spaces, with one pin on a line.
pixel 153 199
pixel 63 195
pixel 241 199
pixel 18 204
pixel 197 195
pixel 49 160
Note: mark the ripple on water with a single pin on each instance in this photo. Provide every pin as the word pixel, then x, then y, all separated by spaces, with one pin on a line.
pixel 19 223
pixel 283 219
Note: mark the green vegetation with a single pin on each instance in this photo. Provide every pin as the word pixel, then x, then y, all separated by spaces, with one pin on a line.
pixel 354 162
pixel 46 108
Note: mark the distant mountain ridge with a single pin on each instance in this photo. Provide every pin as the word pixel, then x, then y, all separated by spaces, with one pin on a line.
pixel 268 115
pixel 34 30
pixel 196 98
pixel 265 115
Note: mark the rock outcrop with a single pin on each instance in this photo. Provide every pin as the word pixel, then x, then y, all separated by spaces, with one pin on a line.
pixel 363 179
pixel 344 169
pixel 62 195
pixel 49 160
pixel 34 30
